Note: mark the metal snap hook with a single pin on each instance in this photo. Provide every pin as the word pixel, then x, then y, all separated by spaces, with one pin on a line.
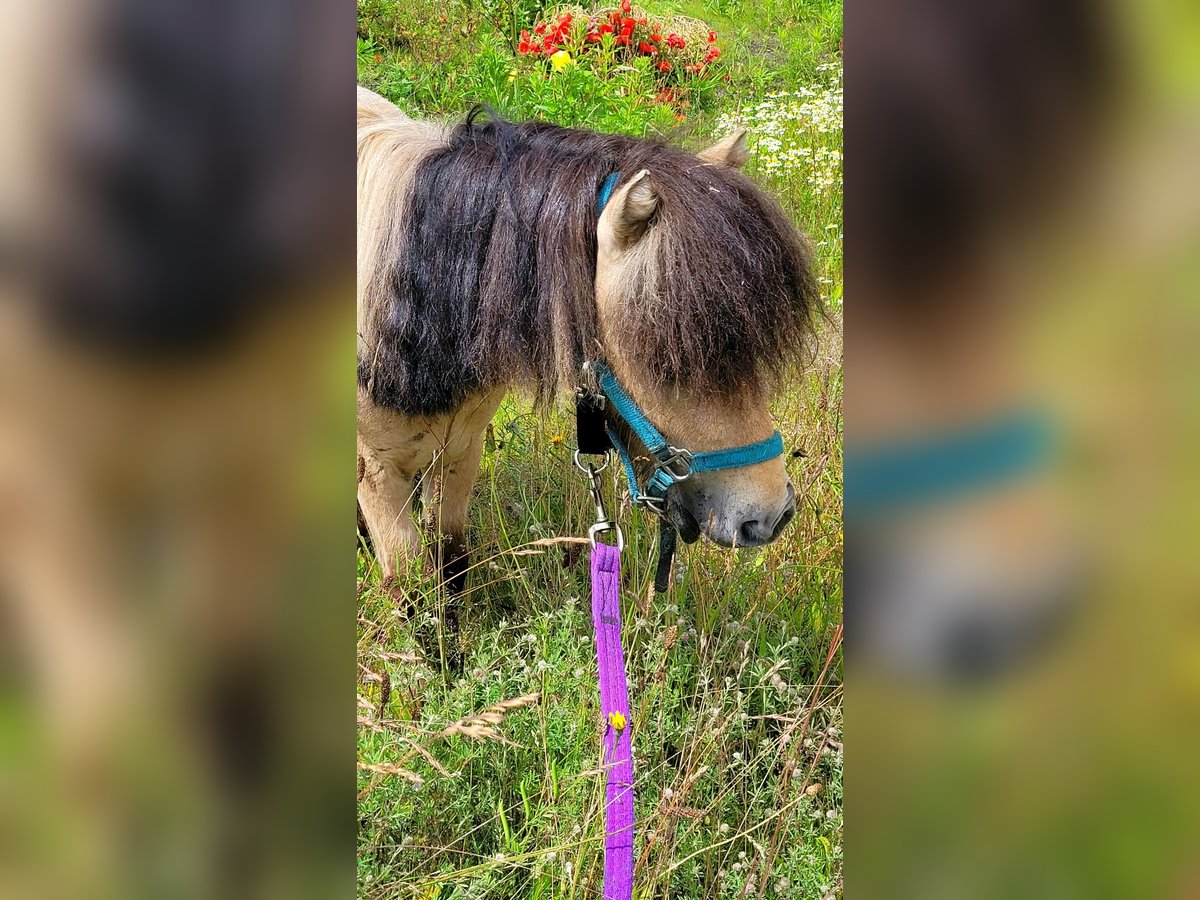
pixel 587 469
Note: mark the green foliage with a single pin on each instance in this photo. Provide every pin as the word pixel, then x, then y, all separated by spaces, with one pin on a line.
pixel 723 680
pixel 508 17
pixel 581 96
pixel 443 60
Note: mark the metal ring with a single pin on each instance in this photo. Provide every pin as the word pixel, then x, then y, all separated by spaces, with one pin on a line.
pixel 588 468
pixel 654 504
pixel 603 527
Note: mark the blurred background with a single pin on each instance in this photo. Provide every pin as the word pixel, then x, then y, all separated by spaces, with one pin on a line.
pixel 1023 633
pixel 176 421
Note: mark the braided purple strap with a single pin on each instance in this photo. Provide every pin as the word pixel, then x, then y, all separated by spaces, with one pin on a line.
pixel 614 706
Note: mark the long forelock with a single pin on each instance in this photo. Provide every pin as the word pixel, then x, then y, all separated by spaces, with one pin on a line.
pixel 719 297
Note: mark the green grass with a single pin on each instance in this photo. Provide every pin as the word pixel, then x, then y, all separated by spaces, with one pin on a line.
pixel 735 695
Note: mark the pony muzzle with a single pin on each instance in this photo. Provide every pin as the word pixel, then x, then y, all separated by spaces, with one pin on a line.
pixel 730 513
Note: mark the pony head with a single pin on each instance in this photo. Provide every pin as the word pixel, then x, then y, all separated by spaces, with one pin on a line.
pixel 704 295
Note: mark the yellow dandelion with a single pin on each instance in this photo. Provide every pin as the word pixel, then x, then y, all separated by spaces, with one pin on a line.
pixel 617 721
pixel 557 440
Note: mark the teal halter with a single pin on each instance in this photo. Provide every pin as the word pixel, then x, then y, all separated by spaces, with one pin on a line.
pixel 672 464
pixel 885 477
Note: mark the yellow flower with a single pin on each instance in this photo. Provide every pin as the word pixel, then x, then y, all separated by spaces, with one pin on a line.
pixel 556 440
pixel 617 721
pixel 560 60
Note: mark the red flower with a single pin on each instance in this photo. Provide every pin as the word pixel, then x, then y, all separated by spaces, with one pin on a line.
pixel 664 66
pixel 712 37
pixel 627 24
pixel 626 6
pixel 550 49
pixel 656 37
pixel 713 53
pixel 540 28
pixel 593 38
pixel 647 48
pixel 566 20
pixel 622 40
pixel 641 21
pixel 606 28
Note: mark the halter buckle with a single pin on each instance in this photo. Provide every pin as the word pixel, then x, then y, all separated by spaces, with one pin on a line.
pixel 677 463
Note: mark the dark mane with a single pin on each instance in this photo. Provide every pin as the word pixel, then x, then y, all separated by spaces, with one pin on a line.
pixel 495 276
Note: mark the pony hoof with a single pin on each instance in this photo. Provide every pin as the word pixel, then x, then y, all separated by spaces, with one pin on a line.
pixel 401 599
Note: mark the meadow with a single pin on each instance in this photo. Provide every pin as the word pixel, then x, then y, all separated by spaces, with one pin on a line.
pixel 479 744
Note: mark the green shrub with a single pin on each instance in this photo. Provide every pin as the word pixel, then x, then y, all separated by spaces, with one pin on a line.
pixel 431 62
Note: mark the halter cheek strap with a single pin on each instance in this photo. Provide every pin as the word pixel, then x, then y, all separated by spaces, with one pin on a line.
pixel 672 464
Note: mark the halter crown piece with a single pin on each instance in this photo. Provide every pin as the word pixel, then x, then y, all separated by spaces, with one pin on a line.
pixel 606 191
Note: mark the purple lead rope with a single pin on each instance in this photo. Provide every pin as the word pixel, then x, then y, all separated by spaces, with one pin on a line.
pixel 614 699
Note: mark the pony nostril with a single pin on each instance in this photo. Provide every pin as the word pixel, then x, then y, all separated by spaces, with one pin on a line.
pixel 782 523
pixel 751 533
pixel 755 533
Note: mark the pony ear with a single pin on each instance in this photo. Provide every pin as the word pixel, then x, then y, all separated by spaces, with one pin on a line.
pixel 630 210
pixel 730 151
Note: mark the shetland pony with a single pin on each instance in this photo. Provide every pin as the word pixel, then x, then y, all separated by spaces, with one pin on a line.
pixel 483 263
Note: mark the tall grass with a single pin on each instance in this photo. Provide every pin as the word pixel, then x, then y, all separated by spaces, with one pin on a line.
pixel 479 743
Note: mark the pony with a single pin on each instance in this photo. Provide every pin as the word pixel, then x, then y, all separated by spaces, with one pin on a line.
pixel 484 263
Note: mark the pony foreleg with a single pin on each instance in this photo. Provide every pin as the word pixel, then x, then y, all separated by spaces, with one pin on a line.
pixel 385 496
pixel 447 493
